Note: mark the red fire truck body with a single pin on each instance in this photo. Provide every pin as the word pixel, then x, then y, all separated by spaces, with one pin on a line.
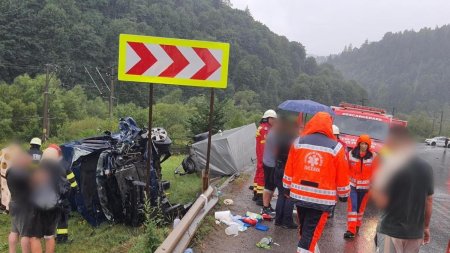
pixel 354 120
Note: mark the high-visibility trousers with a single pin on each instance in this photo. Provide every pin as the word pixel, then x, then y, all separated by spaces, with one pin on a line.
pixel 311 225
pixel 62 230
pixel 355 208
pixel 258 181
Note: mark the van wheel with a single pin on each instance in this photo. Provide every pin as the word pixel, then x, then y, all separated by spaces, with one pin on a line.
pixel 433 144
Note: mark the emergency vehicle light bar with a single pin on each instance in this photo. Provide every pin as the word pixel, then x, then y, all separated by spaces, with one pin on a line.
pixel 362 108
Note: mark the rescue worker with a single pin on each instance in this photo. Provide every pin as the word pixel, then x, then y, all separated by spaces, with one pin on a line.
pixel 336 133
pixel 267 121
pixel 316 172
pixel 35 149
pixel 363 163
pixel 62 231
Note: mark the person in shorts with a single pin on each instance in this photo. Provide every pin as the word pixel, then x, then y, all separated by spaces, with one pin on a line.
pixel 269 158
pixel 49 184
pixel 17 178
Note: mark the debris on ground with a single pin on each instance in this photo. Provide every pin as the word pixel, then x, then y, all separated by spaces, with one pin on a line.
pixel 261 227
pixel 265 243
pixel 228 202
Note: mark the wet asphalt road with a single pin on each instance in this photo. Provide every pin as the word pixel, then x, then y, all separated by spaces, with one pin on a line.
pixel 332 238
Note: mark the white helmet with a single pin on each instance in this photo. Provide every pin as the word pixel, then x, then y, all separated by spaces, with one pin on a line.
pixel 270 114
pixel 36 141
pixel 335 130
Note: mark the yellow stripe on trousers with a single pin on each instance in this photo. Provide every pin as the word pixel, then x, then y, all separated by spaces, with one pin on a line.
pixel 62 231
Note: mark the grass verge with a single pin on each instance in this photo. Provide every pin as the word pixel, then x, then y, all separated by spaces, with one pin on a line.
pixel 118 238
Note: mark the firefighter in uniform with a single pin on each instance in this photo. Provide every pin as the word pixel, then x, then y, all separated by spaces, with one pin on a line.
pixel 62 231
pixel 261 134
pixel 35 149
pixel 363 163
pixel 316 172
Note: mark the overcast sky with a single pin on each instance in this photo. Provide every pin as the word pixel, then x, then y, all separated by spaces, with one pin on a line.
pixel 325 26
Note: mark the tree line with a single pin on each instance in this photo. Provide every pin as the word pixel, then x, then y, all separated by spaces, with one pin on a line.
pixel 408 71
pixel 75 35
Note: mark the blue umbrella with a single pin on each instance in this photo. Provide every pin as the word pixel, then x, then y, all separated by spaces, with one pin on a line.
pixel 304 106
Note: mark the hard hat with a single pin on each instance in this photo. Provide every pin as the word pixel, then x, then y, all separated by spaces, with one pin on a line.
pixel 270 114
pixel 36 141
pixel 336 130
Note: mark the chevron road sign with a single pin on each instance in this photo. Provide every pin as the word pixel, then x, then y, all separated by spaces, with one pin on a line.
pixel 173 61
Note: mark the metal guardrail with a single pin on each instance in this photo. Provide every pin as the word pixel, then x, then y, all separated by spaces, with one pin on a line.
pixel 180 237
pixel 170 244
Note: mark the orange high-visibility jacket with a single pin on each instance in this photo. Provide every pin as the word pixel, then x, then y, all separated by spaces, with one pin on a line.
pixel 362 168
pixel 317 168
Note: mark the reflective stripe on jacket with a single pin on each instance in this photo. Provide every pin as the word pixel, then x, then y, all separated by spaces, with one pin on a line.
pixel 317 168
pixel 362 169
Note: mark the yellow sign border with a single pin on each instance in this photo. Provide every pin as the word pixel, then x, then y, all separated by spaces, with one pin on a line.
pixel 222 83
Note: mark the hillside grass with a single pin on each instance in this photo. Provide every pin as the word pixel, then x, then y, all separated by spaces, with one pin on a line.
pixel 115 238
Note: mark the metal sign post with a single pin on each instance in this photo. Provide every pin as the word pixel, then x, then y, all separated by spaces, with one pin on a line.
pixel 195 63
pixel 149 138
pixel 205 178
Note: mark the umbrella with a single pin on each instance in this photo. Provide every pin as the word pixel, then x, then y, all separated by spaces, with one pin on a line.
pixel 304 106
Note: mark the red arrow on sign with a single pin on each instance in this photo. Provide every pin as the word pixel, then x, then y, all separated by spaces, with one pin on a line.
pixel 147 59
pixel 179 61
pixel 211 64
pixel 172 61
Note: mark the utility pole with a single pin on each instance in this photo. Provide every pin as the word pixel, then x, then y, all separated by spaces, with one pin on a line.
pixel 442 120
pixel 111 94
pixel 45 123
pixel 434 122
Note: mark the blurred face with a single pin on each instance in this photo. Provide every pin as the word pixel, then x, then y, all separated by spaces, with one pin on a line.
pixel 363 147
pixel 272 121
pixel 394 142
pixel 21 159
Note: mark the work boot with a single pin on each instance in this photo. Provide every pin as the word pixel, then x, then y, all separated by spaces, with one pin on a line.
pixel 349 235
pixel 62 238
pixel 259 199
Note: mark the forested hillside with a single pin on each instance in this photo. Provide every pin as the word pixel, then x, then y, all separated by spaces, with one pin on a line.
pixel 74 34
pixel 408 70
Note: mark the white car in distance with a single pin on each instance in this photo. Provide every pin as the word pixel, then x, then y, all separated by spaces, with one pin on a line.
pixel 437 141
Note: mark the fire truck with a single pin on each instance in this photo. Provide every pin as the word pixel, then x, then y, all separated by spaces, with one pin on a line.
pixel 354 120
